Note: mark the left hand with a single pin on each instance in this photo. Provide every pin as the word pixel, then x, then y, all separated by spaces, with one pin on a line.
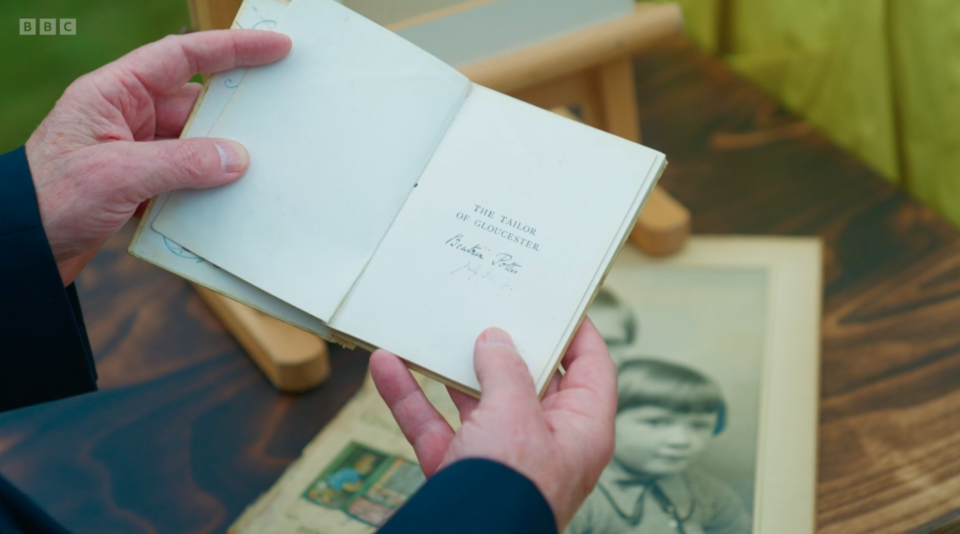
pixel 561 443
pixel 110 142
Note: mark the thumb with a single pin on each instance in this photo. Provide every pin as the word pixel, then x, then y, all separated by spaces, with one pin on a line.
pixel 504 377
pixel 151 168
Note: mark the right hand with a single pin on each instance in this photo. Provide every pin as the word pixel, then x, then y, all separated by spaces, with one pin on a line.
pixel 561 443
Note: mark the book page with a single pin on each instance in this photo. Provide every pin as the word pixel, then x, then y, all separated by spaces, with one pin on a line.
pixel 512 224
pixel 338 132
pixel 151 246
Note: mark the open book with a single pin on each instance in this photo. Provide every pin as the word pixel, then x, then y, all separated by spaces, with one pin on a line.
pixel 392 203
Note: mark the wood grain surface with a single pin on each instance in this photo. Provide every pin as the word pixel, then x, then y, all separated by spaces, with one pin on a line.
pixel 890 389
pixel 185 431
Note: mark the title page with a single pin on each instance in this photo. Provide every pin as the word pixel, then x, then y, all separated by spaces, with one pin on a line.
pixel 510 225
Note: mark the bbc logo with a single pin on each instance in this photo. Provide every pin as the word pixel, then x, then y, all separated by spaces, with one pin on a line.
pixel 48 26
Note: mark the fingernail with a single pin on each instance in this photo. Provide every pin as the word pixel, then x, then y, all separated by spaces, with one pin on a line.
pixel 233 157
pixel 496 336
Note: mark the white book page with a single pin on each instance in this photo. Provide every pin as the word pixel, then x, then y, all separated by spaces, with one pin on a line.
pixel 338 132
pixel 153 247
pixel 512 224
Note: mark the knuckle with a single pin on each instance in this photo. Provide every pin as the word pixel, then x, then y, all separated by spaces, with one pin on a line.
pixel 167 43
pixel 78 86
pixel 194 161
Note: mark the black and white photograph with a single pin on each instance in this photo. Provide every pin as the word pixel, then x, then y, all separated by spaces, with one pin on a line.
pixel 689 345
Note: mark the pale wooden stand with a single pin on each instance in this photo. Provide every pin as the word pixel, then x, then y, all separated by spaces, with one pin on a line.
pixel 589 71
pixel 293 359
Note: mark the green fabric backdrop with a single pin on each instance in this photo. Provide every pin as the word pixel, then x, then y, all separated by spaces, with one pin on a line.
pixel 35 69
pixel 880 77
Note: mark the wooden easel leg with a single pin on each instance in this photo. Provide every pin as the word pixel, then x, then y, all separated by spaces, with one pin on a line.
pixel 619 94
pixel 591 100
pixel 664 223
pixel 578 90
pixel 294 360
pixel 213 14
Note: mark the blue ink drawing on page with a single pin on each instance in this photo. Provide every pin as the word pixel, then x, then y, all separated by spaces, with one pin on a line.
pixel 180 251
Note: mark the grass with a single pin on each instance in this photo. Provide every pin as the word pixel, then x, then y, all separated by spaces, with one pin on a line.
pixel 34 70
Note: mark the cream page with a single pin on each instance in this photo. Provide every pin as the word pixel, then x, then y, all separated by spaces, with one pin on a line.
pixel 151 246
pixel 510 225
pixel 338 133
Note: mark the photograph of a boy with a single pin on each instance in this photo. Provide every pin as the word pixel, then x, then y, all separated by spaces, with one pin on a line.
pixel 667 415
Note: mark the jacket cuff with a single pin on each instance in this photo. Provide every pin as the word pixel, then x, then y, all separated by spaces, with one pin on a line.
pixel 44 350
pixel 475 495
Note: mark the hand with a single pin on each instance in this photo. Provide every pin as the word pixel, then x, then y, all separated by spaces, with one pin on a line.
pixel 561 443
pixel 109 143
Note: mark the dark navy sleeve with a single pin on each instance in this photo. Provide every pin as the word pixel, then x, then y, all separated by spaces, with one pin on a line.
pixel 475 496
pixel 20 515
pixel 44 351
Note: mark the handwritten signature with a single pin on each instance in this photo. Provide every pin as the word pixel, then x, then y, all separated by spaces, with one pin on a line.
pixel 505 262
pixel 500 260
pixel 455 242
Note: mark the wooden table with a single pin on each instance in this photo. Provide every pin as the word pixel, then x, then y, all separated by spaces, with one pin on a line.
pixel 186 431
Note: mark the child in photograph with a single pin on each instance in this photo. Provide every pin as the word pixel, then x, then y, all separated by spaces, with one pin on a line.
pixel 615 322
pixel 667 415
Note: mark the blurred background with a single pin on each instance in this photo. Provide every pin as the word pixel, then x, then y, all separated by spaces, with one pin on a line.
pixel 36 69
pixel 880 77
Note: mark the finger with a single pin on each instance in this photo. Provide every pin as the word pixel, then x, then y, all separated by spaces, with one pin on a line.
pixel 588 364
pixel 505 380
pixel 173 110
pixel 553 386
pixel 164 66
pixel 465 403
pixel 420 422
pixel 142 170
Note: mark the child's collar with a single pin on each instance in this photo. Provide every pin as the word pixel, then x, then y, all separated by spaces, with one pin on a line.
pixel 624 488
